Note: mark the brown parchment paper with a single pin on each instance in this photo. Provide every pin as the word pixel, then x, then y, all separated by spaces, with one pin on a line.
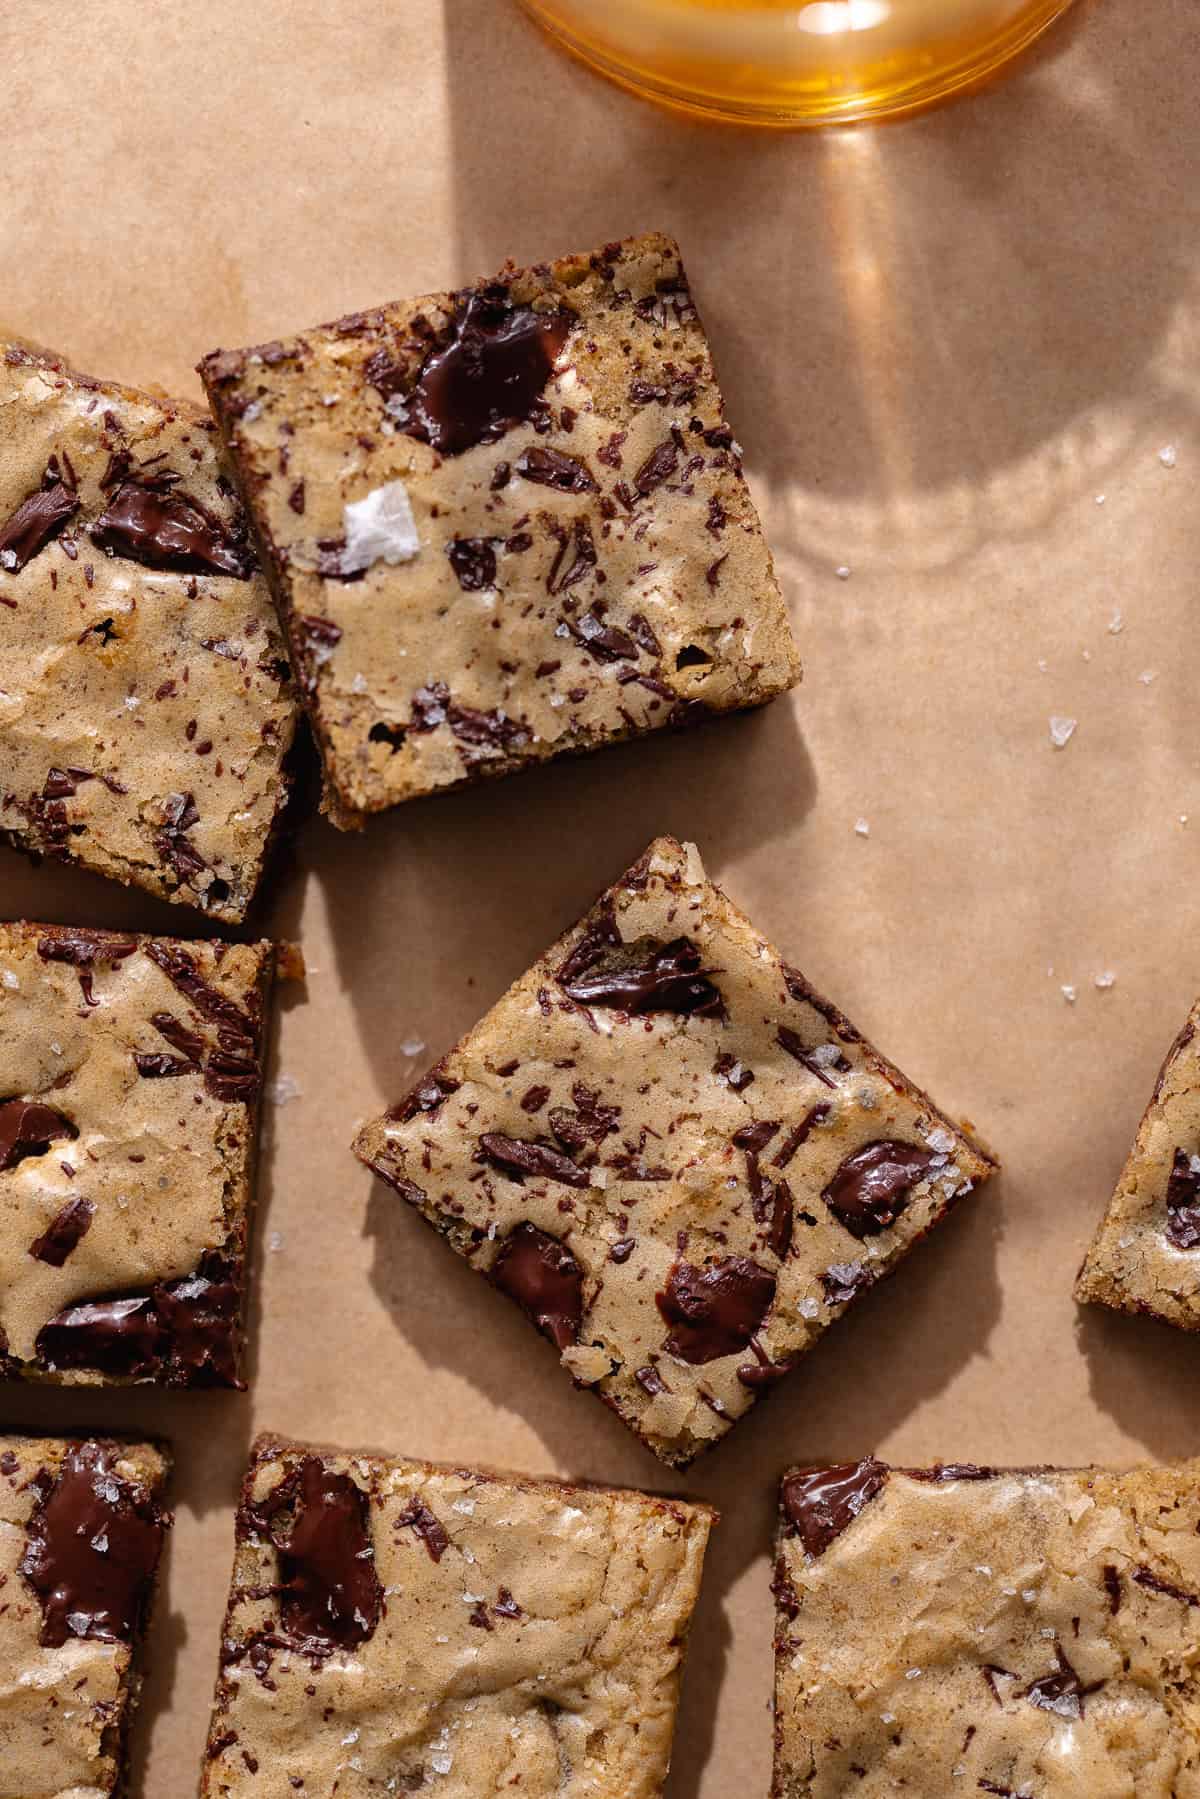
pixel 954 349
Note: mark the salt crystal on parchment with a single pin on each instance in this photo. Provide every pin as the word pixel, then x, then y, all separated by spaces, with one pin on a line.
pixel 1061 731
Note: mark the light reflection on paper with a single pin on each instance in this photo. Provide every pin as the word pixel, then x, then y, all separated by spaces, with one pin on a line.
pixel 825 18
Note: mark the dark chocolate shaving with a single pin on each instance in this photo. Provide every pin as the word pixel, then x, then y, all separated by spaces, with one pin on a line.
pixel 1183 1203
pixel 553 468
pixel 38 519
pixel 517 1156
pixel 417 1517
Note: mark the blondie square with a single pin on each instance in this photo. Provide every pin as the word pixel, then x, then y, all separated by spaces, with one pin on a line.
pixel 1145 1256
pixel 957 1630
pixel 81 1531
pixel 129 1081
pixel 396 1628
pixel 504 523
pixel 673 1155
pixel 145 707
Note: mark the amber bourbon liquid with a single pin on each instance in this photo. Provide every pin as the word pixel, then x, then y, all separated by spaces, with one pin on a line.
pixel 796 62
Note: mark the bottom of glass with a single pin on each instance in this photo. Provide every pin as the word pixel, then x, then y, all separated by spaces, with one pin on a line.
pixel 787 74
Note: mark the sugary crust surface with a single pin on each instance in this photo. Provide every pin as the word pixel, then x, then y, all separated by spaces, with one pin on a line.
pixel 655 1114
pixel 116 674
pixel 64 1709
pixel 419 677
pixel 1030 1634
pixel 1133 1264
pixel 163 1158
pixel 530 1639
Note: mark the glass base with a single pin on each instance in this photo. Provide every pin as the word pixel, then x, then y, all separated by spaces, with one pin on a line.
pixel 796 62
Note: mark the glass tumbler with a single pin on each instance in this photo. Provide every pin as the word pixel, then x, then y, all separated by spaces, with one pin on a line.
pixel 796 62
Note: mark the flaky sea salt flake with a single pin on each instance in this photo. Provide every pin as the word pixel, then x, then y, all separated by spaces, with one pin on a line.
pixel 1061 731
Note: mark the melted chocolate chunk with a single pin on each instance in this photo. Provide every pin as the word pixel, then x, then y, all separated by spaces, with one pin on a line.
pixel 63 1232
pixel 517 1156
pixel 473 560
pixel 82 950
pixel 872 1187
pixel 553 468
pixel 763 1372
pixel 607 643
pixel 167 530
pixel 662 978
pixel 1183 1203
pixel 819 1505
pixel 714 1311
pixel 27 1128
pixel 417 1517
pixel 92 1545
pixel 489 376
pixel 183 1332
pixel 329 1595
pixel 38 519
pixel 546 1281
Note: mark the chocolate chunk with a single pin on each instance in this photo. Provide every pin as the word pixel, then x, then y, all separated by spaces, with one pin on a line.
pixel 574 558
pixel 27 1128
pixel 607 643
pixel 643 635
pixel 872 1187
pixel 657 468
pixel 488 377
pixel 944 1471
pixel 534 1098
pixel 553 468
pixel 844 1280
pixel 1183 1203
pixel 729 1069
pixel 491 729
pixel 590 1122
pixel 821 1504
pixel 329 1593
pixel 763 1372
pixel 183 1330
pixel 506 1606
pixel 157 1066
pixel 662 978
pixel 714 1311
pixel 650 1380
pixel 1061 1692
pixel 118 1336
pixel 417 1516
pixel 199 1316
pixel 189 1043
pixel 515 1155
pixel 600 935
pixel 1112 1586
pixel 544 1278
pixel 783 1207
pixel 473 560
pixel 92 1545
pixel 63 1232
pixel 754 1137
pixel 38 519
pixel 167 530
pixel 429 1095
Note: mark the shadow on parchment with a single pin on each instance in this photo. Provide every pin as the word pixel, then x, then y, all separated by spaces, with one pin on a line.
pixel 436 907
pixel 1134 1366
pixel 876 1366
pixel 930 334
